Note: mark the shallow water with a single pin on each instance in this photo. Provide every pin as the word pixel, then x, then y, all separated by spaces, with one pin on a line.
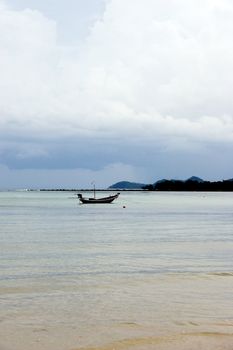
pixel 104 276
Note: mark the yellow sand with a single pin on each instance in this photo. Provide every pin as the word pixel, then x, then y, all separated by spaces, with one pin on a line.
pixel 187 341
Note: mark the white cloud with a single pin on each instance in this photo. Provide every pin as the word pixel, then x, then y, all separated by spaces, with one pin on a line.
pixel 151 69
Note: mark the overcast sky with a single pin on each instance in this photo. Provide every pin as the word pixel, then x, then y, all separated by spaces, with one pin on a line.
pixel 111 90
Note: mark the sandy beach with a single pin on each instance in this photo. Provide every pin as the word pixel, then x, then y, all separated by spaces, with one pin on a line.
pixel 41 339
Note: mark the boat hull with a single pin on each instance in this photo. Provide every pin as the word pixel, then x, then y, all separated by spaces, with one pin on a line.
pixel 104 200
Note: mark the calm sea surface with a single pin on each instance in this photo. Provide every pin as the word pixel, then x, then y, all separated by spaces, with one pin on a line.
pixel 82 276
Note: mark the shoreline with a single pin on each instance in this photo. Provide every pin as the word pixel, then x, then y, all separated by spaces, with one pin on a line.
pixel 67 339
pixel 186 341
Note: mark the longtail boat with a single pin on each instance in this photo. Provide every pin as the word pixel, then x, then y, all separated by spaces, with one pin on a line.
pixel 94 200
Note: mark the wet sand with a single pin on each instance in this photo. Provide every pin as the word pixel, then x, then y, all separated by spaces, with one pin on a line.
pixel 193 341
pixel 124 337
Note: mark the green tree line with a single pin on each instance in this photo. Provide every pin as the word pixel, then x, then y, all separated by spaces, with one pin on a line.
pixel 178 185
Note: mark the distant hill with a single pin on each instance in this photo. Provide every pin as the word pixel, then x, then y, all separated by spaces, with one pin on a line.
pixel 195 178
pixel 192 184
pixel 192 178
pixel 126 185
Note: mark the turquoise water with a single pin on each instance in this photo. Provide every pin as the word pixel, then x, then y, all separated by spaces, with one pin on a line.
pixel 162 264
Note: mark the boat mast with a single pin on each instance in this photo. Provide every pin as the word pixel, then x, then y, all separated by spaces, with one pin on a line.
pixel 93 183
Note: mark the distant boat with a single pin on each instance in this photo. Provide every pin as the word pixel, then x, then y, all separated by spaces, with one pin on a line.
pixel 94 200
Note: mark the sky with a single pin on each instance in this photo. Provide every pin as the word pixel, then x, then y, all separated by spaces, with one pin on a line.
pixel 111 90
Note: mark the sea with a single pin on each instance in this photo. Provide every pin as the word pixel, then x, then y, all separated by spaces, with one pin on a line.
pixel 152 270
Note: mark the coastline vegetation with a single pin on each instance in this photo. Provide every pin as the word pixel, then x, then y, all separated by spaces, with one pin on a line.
pixel 190 185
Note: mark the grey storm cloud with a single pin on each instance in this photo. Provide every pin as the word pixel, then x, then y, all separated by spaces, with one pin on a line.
pixel 150 74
